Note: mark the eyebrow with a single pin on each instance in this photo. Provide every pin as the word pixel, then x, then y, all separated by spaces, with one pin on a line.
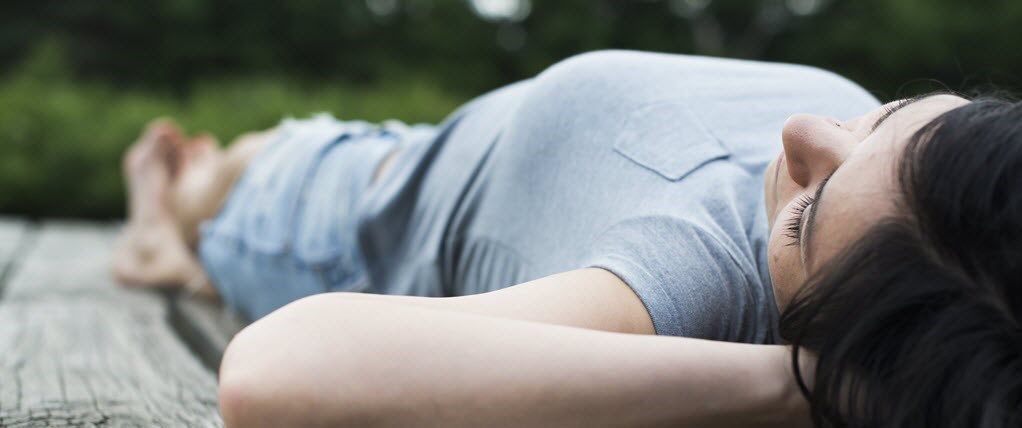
pixel 898 106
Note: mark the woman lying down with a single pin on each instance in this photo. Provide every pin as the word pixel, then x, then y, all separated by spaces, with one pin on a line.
pixel 627 239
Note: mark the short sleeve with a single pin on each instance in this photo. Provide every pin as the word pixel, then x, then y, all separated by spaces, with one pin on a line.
pixel 688 281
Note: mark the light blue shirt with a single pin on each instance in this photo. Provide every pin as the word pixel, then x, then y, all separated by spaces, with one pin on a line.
pixel 647 165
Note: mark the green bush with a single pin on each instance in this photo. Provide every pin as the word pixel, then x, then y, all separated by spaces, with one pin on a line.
pixel 61 138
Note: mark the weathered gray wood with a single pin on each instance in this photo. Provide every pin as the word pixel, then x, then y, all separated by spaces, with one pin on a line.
pixel 65 257
pixel 13 234
pixel 206 326
pixel 78 350
pixel 104 360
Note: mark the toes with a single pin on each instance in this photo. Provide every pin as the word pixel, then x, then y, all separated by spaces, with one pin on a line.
pixel 163 129
pixel 163 140
pixel 157 146
pixel 204 138
pixel 160 136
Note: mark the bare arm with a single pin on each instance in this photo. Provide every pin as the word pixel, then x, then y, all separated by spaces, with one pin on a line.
pixel 336 360
pixel 587 298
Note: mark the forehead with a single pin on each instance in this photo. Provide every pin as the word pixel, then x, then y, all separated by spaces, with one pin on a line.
pixel 862 191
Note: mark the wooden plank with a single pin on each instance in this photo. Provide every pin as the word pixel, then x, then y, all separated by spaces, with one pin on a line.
pixel 206 326
pixel 80 351
pixel 13 234
pixel 65 257
pixel 82 250
pixel 99 360
pixel 12 231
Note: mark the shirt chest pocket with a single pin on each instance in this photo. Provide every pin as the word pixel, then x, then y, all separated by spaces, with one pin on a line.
pixel 666 138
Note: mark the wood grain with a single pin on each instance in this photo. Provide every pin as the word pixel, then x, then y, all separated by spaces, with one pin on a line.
pixel 79 350
pixel 107 361
pixel 206 326
pixel 65 257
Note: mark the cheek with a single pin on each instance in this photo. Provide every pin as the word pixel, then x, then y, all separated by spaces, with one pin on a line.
pixel 780 195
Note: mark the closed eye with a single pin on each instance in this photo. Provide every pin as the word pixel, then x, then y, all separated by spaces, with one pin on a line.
pixel 793 227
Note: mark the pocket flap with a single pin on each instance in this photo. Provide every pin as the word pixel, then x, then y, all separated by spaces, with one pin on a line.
pixel 667 139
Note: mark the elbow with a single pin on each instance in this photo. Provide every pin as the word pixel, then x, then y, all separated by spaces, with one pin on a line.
pixel 244 398
pixel 252 392
pixel 276 372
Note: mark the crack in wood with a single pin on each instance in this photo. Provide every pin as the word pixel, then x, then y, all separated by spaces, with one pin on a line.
pixel 204 326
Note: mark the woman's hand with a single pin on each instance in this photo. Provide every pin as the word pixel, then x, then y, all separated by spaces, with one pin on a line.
pixel 796 401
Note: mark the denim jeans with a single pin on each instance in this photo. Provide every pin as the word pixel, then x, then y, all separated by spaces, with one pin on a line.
pixel 288 228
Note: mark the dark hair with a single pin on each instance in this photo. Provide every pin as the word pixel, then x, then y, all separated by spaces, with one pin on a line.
pixel 917 324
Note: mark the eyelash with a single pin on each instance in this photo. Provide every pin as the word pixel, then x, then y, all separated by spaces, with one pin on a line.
pixel 793 227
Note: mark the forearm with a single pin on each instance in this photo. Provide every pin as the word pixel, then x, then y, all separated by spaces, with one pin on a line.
pixel 587 298
pixel 393 365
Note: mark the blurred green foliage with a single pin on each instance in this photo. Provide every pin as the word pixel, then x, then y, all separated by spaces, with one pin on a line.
pixel 61 139
pixel 79 79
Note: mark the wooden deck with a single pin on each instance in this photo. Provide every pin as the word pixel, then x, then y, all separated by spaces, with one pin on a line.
pixel 78 350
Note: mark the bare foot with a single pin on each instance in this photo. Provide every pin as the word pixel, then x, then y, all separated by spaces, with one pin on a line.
pixel 151 250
